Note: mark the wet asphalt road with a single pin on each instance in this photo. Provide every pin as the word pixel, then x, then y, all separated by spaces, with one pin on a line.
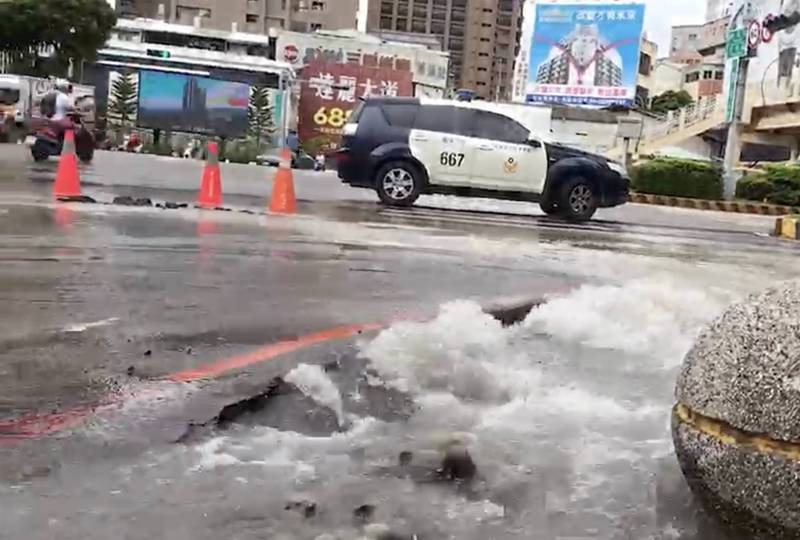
pixel 104 301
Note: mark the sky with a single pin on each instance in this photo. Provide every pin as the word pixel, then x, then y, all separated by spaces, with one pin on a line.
pixel 661 15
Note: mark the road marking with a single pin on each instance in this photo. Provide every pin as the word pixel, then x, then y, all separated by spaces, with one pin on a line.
pixel 34 426
pixel 85 326
pixel 270 352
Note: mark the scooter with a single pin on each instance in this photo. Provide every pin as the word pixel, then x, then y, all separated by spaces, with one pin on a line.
pixel 48 140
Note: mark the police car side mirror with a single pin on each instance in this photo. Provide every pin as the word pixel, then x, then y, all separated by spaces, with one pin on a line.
pixel 533 143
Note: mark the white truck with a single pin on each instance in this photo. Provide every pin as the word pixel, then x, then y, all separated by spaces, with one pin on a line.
pixel 20 97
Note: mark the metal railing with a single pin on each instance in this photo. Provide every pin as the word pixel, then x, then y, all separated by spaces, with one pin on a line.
pixel 675 121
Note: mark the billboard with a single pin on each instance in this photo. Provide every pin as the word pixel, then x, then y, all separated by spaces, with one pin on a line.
pixel 585 53
pixel 428 67
pixel 329 93
pixel 180 102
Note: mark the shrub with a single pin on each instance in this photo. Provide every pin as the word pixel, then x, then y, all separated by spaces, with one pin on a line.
pixel 754 188
pixel 241 152
pixel 162 149
pixel 777 184
pixel 678 178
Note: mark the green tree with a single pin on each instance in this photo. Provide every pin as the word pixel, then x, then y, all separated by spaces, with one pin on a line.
pixel 42 37
pixel 671 101
pixel 260 117
pixel 122 102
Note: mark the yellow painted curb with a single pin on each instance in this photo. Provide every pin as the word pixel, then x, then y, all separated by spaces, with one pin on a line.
pixel 787 227
pixel 720 206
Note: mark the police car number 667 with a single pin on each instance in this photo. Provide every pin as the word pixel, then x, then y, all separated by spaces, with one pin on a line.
pixel 405 147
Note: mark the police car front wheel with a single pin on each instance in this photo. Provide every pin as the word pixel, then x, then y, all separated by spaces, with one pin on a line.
pixel 398 183
pixel 578 201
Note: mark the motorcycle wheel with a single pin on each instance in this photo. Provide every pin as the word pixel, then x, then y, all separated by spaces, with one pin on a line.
pixel 39 152
pixel 85 155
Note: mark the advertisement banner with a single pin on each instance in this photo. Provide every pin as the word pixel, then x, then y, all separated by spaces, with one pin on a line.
pixel 179 102
pixel 428 67
pixel 585 53
pixel 330 92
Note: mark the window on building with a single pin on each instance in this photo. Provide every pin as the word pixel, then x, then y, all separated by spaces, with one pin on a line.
pixel 488 10
pixel 273 22
pixel 485 39
pixel 318 5
pixel 481 83
pixel 402 24
pixel 315 26
pixel 692 37
pixel 486 25
pixel 692 77
pixel 251 18
pixel 387 8
pixel 386 23
pixel 645 64
pixel 483 54
pixel 719 75
pixel 707 75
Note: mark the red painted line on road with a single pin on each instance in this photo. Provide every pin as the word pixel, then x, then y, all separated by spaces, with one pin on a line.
pixel 33 426
pixel 270 352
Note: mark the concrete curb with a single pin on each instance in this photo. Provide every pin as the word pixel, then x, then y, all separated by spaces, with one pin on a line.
pixel 739 207
pixel 787 227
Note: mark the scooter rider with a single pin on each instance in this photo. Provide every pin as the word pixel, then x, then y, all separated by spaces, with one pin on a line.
pixel 64 105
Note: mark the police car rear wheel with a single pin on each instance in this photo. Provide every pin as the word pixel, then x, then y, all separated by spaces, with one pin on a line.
pixel 398 184
pixel 578 201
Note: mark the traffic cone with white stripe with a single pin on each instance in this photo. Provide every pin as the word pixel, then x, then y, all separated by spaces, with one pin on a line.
pixel 68 180
pixel 211 185
pixel 283 200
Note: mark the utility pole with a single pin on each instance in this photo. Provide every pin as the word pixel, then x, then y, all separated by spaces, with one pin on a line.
pixel 736 51
pixel 733 146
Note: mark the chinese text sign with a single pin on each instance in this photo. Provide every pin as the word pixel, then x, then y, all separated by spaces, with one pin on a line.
pixel 585 54
pixel 330 92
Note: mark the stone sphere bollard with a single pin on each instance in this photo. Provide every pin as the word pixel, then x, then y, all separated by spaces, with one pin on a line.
pixel 736 424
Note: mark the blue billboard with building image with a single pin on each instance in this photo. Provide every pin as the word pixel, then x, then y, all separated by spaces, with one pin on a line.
pixel 585 53
pixel 188 103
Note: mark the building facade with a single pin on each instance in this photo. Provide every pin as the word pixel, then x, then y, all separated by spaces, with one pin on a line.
pixel 482 37
pixel 706 40
pixel 252 16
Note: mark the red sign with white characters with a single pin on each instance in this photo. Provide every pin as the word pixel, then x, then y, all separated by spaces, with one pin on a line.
pixel 330 92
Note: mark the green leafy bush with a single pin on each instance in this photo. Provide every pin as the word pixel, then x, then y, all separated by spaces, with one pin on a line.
pixel 754 188
pixel 161 149
pixel 678 178
pixel 776 184
pixel 241 152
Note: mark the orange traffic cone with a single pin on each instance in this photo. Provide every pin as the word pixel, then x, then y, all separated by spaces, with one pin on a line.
pixel 283 200
pixel 68 181
pixel 211 186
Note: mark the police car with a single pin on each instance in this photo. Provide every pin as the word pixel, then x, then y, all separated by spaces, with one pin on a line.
pixel 405 147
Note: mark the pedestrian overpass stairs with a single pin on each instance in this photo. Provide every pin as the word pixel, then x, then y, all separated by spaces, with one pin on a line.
pixel 677 126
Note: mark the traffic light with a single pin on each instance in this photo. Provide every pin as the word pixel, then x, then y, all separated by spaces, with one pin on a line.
pixel 782 22
pixel 157 53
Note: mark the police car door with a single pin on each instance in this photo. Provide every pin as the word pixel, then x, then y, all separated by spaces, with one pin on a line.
pixel 505 158
pixel 439 141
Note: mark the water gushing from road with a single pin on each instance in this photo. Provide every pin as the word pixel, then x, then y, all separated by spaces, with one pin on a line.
pixel 564 415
